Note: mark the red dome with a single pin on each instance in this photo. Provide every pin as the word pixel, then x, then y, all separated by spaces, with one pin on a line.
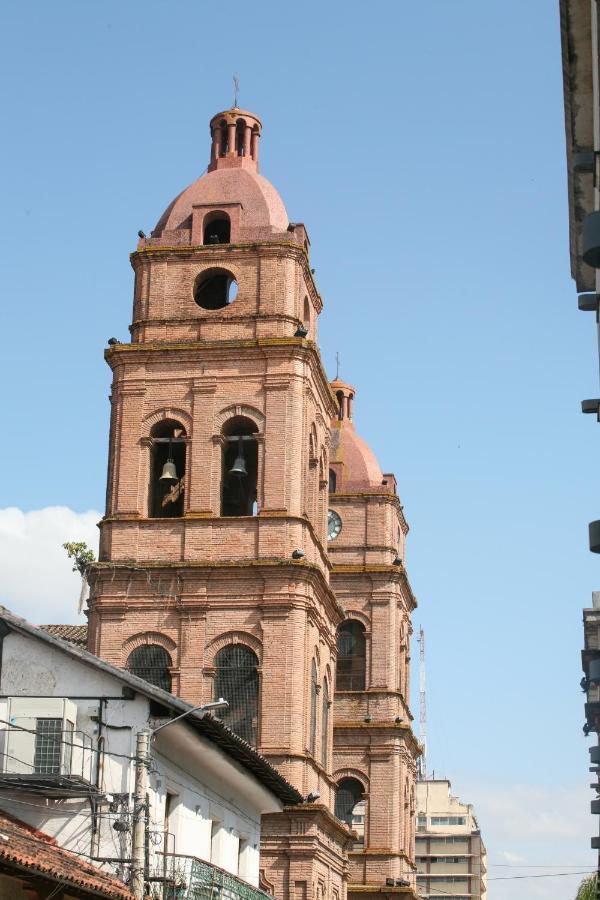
pixel 360 470
pixel 351 458
pixel 261 205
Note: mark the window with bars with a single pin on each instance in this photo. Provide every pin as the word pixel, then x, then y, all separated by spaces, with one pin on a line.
pixel 325 723
pixel 152 663
pixel 350 802
pixel 237 682
pixel 48 755
pixel 314 690
pixel 352 656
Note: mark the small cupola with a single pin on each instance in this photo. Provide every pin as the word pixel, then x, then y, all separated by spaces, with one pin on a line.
pixel 235 134
pixel 345 397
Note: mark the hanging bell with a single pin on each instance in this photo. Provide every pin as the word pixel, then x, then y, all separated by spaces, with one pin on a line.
pixel 169 472
pixel 239 465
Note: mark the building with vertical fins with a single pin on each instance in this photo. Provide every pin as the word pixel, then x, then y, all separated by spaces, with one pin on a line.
pixel 251 547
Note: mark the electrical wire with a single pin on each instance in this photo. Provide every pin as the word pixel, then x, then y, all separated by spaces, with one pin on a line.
pixel 91 749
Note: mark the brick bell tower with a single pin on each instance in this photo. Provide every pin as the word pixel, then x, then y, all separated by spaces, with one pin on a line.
pixel 251 544
pixel 213 574
pixel 374 748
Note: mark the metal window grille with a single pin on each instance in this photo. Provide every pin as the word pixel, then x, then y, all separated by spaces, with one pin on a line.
pixel 314 689
pixel 351 661
pixel 48 747
pixel 348 794
pixel 325 724
pixel 152 663
pixel 237 682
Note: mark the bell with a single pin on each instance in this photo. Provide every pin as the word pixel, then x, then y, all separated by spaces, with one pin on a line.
pixel 169 472
pixel 239 465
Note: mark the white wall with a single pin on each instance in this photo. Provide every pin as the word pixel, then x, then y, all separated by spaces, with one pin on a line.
pixel 207 786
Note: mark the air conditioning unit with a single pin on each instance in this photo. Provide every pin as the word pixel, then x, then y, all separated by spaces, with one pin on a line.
pixel 39 740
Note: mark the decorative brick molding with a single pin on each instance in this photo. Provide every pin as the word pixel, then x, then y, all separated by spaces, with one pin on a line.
pixel 233 637
pixel 338 774
pixel 173 412
pixel 148 637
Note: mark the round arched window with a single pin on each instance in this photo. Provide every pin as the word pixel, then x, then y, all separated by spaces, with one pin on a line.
pixel 152 663
pixel 215 289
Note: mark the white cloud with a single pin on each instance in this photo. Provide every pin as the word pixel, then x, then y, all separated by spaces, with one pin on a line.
pixel 36 580
pixel 533 830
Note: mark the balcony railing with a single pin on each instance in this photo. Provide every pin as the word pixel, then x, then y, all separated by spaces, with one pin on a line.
pixel 187 878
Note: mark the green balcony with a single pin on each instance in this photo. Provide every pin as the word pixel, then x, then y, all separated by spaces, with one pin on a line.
pixel 188 878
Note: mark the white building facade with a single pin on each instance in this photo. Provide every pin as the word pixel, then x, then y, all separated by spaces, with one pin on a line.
pixel 69 723
pixel 450 853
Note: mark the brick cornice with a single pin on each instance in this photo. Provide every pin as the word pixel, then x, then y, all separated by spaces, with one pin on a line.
pixel 380 496
pixel 388 728
pixel 397 573
pixel 187 351
pixel 300 568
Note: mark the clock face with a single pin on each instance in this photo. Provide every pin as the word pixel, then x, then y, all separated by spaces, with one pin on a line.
pixel 334 525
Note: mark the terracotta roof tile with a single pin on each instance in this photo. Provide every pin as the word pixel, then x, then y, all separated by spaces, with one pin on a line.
pixel 23 847
pixel 75 634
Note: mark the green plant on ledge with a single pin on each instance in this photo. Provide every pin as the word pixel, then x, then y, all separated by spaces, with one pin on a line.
pixel 81 555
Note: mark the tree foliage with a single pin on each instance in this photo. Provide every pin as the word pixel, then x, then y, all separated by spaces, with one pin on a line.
pixel 81 555
pixel 587 889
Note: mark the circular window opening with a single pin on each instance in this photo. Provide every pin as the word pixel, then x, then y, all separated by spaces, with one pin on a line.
pixel 215 289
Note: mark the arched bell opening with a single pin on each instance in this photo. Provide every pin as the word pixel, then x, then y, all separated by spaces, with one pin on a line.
pixel 352 656
pixel 240 130
pixel 340 400
pixel 217 228
pixel 350 806
pixel 239 468
pixel 223 141
pixel 167 470
pixel 215 289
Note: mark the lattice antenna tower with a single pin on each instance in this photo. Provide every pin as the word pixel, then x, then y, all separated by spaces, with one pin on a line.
pixel 422 773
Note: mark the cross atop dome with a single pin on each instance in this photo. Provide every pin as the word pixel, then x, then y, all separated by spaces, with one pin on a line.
pixel 235 135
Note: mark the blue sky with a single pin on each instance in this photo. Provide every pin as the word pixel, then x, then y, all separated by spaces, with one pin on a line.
pixel 423 146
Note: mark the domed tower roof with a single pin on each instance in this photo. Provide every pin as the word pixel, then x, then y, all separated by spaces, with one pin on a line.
pixel 232 188
pixel 354 463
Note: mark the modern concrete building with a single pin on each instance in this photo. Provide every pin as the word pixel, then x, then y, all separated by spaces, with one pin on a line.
pixel 67 767
pixel 252 547
pixel 580 33
pixel 450 853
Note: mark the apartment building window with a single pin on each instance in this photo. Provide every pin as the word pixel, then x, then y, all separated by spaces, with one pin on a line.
pixel 448 820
